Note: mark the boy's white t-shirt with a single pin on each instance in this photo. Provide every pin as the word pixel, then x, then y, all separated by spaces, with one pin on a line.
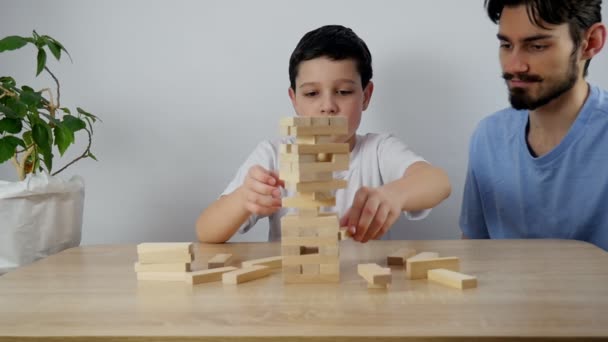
pixel 377 159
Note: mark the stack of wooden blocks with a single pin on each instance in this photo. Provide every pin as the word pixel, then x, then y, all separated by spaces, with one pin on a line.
pixel 164 261
pixel 310 238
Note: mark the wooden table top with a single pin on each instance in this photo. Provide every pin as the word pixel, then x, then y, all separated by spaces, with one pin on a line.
pixel 527 288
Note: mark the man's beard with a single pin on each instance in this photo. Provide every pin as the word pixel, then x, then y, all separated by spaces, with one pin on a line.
pixel 521 99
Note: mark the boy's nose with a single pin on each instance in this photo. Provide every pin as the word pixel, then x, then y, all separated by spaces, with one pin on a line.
pixel 328 106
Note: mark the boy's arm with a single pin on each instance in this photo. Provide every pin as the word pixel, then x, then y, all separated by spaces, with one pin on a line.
pixel 218 222
pixel 375 210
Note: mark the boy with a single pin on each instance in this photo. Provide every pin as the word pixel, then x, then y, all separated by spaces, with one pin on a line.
pixel 330 73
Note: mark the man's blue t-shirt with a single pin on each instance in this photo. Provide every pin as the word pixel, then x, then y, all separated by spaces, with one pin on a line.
pixel 563 194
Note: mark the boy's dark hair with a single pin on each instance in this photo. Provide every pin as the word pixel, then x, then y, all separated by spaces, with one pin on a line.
pixel 578 14
pixel 335 42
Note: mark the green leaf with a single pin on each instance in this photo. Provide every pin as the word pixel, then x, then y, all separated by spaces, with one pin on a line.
pixel 73 123
pixel 90 155
pixel 41 61
pixel 7 82
pixel 66 110
pixel 8 145
pixel 12 43
pixel 31 98
pixel 48 159
pixel 8 112
pixel 63 138
pixel 10 125
pixel 87 114
pixel 40 134
pixel 27 137
pixel 55 49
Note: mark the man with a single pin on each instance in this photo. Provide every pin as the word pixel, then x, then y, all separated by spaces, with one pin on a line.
pixel 540 168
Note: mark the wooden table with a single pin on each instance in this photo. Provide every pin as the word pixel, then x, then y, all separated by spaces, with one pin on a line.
pixel 533 288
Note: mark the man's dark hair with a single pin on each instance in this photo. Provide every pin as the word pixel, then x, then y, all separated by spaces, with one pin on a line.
pixel 578 14
pixel 334 42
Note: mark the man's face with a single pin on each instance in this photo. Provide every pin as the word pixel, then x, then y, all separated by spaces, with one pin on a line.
pixel 333 88
pixel 538 64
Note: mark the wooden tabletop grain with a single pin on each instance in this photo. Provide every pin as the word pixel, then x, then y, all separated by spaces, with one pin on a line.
pixel 543 289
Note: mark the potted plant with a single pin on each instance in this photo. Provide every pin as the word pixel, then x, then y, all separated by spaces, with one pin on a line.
pixel 40 214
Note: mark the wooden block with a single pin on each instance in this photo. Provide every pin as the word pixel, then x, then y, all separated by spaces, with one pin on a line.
pixel 325 221
pixel 299 131
pixel 452 279
pixel 148 247
pixel 330 250
pixel 246 274
pixel 174 267
pixel 424 256
pixel 310 269
pixel 312 241
pixel 315 149
pixel 339 158
pixel 292 269
pixel 344 234
pixel 308 212
pixel 310 279
pixel 272 262
pixel 301 202
pixel 290 250
pixel 329 268
pixel 289 176
pixel 297 158
pixel 310 259
pixel 320 121
pixel 296 121
pixel 322 157
pixel 374 274
pixel 307 250
pixel 305 140
pixel 417 269
pixel 399 257
pixel 219 260
pixel 315 186
pixel 206 276
pixel 317 167
pixel 338 121
pixel 162 276
pixel 168 257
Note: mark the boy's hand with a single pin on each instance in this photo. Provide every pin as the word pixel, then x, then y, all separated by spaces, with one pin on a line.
pixel 372 214
pixel 261 191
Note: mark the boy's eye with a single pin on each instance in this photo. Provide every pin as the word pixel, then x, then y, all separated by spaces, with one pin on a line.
pixel 345 92
pixel 310 93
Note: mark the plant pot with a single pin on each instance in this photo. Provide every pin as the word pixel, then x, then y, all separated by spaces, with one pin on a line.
pixel 39 216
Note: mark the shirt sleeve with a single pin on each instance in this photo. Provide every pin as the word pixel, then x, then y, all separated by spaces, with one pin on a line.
pixel 394 157
pixel 264 155
pixel 472 222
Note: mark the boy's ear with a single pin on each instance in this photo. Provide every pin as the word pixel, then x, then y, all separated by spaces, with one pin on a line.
pixel 594 41
pixel 367 94
pixel 292 96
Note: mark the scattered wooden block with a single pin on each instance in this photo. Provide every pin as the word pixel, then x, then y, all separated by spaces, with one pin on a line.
pixel 219 260
pixel 291 278
pixel 206 276
pixel 417 269
pixel 424 256
pixel 246 274
pixel 272 262
pixel 168 257
pixel 399 257
pixel 452 279
pixel 376 276
pixel 344 234
pixel 173 267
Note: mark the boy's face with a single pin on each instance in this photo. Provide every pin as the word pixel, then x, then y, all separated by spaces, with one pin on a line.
pixel 538 64
pixel 328 87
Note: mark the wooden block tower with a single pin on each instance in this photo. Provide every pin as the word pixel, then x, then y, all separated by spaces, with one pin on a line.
pixel 310 238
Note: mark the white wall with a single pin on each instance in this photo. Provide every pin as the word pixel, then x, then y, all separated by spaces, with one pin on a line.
pixel 172 80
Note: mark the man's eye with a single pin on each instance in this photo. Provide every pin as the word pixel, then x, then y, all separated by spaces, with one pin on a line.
pixel 537 47
pixel 505 45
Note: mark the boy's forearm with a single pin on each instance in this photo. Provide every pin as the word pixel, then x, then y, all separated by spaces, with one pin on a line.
pixel 222 219
pixel 423 186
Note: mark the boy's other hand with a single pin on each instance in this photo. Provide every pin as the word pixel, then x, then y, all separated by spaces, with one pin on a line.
pixel 261 191
pixel 372 214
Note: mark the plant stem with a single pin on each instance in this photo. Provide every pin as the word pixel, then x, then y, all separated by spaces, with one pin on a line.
pixel 58 87
pixel 83 155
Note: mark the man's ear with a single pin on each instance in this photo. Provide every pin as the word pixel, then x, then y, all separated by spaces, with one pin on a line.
pixel 367 94
pixel 595 38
